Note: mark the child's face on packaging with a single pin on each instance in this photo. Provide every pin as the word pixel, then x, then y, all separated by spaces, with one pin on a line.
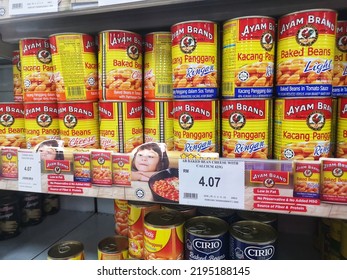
pixel 146 160
pixel 47 153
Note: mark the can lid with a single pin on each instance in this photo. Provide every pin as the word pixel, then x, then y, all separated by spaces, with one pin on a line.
pixel 164 218
pixel 257 216
pixel 253 232
pixel 206 226
pixel 179 208
pixel 217 212
pixel 113 244
pixel 65 250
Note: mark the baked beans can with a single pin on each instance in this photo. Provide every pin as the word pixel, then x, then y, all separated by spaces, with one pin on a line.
pixel 263 217
pixel 302 128
pixel 79 124
pixel 246 128
pixel 334 178
pixel 121 216
pixel 186 210
pixel 228 215
pixel 10 221
pixel 37 70
pixel 195 60
pixel 206 238
pixel 340 60
pixel 113 248
pixel 12 130
pixel 195 125
pixel 158 122
pixel 66 250
pixel 157 66
pixel 51 204
pixel 252 240
pixel 121 168
pixel 136 218
pixel 248 57
pixel 164 235
pixel 41 122
pixel 341 128
pixel 9 162
pixel 121 127
pixel 120 65
pixel 82 166
pixel 305 53
pixel 31 207
pixel 306 178
pixel 74 58
pixel 101 167
pixel 17 77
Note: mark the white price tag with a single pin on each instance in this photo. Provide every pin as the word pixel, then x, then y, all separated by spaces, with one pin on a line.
pixel 29 171
pixel 114 2
pixel 215 183
pixel 27 7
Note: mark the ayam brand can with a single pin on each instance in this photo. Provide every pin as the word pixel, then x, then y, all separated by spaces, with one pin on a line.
pixel 120 65
pixel 305 53
pixel 101 167
pixel 121 128
pixel 9 216
pixel 164 235
pixel 306 178
pixel 17 77
pixel 340 60
pixel 206 238
pixel 158 122
pixel 41 122
pixel 341 128
pixel 51 204
pixel 262 217
pixel 37 70
pixel 333 182
pixel 252 240
pixel 74 58
pixel 12 130
pixel 66 250
pixel 157 66
pixel 31 208
pixel 195 60
pixel 113 248
pixel 82 166
pixel 136 218
pixel 121 168
pixel 248 57
pixel 9 162
pixel 79 124
pixel 247 128
pixel 121 217
pixel 195 125
pixel 302 128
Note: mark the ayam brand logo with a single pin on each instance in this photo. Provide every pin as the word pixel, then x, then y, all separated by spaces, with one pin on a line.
pixel 73 109
pixel 191 109
pixel 45 109
pixel 268 174
pixel 105 112
pixel 12 110
pixel 248 29
pixel 82 142
pixel 334 165
pixel 193 30
pixel 304 167
pixel 64 165
pixel 207 246
pixel 245 108
pixel 135 110
pixel 151 234
pixel 256 253
pixel 149 111
pixel 32 47
pixel 294 109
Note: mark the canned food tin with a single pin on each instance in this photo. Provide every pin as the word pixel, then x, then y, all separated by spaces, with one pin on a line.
pixel 12 130
pixel 252 240
pixel 206 238
pixel 302 128
pixel 17 77
pixel 228 215
pixel 195 125
pixel 186 210
pixel 9 216
pixel 247 128
pixel 121 216
pixel 158 69
pixel 101 165
pixel 82 166
pixel 305 53
pixel 66 250
pixel 340 60
pixel 136 216
pixel 51 204
pixel 121 128
pixel 195 60
pixel 31 206
pixel 79 124
pixel 37 70
pixel 248 57
pixel 262 217
pixel 9 162
pixel 334 120
pixel 121 168
pixel 41 122
pixel 120 65
pixel 74 59
pixel 113 248
pixel 334 178
pixel 306 178
pixel 159 120
pixel 341 128
pixel 163 235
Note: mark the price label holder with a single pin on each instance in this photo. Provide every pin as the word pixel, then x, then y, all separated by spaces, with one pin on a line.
pixel 29 171
pixel 27 7
pixel 215 183
pixel 114 2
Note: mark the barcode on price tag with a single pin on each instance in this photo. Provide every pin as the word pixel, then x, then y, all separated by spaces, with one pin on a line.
pixel 29 171
pixel 215 183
